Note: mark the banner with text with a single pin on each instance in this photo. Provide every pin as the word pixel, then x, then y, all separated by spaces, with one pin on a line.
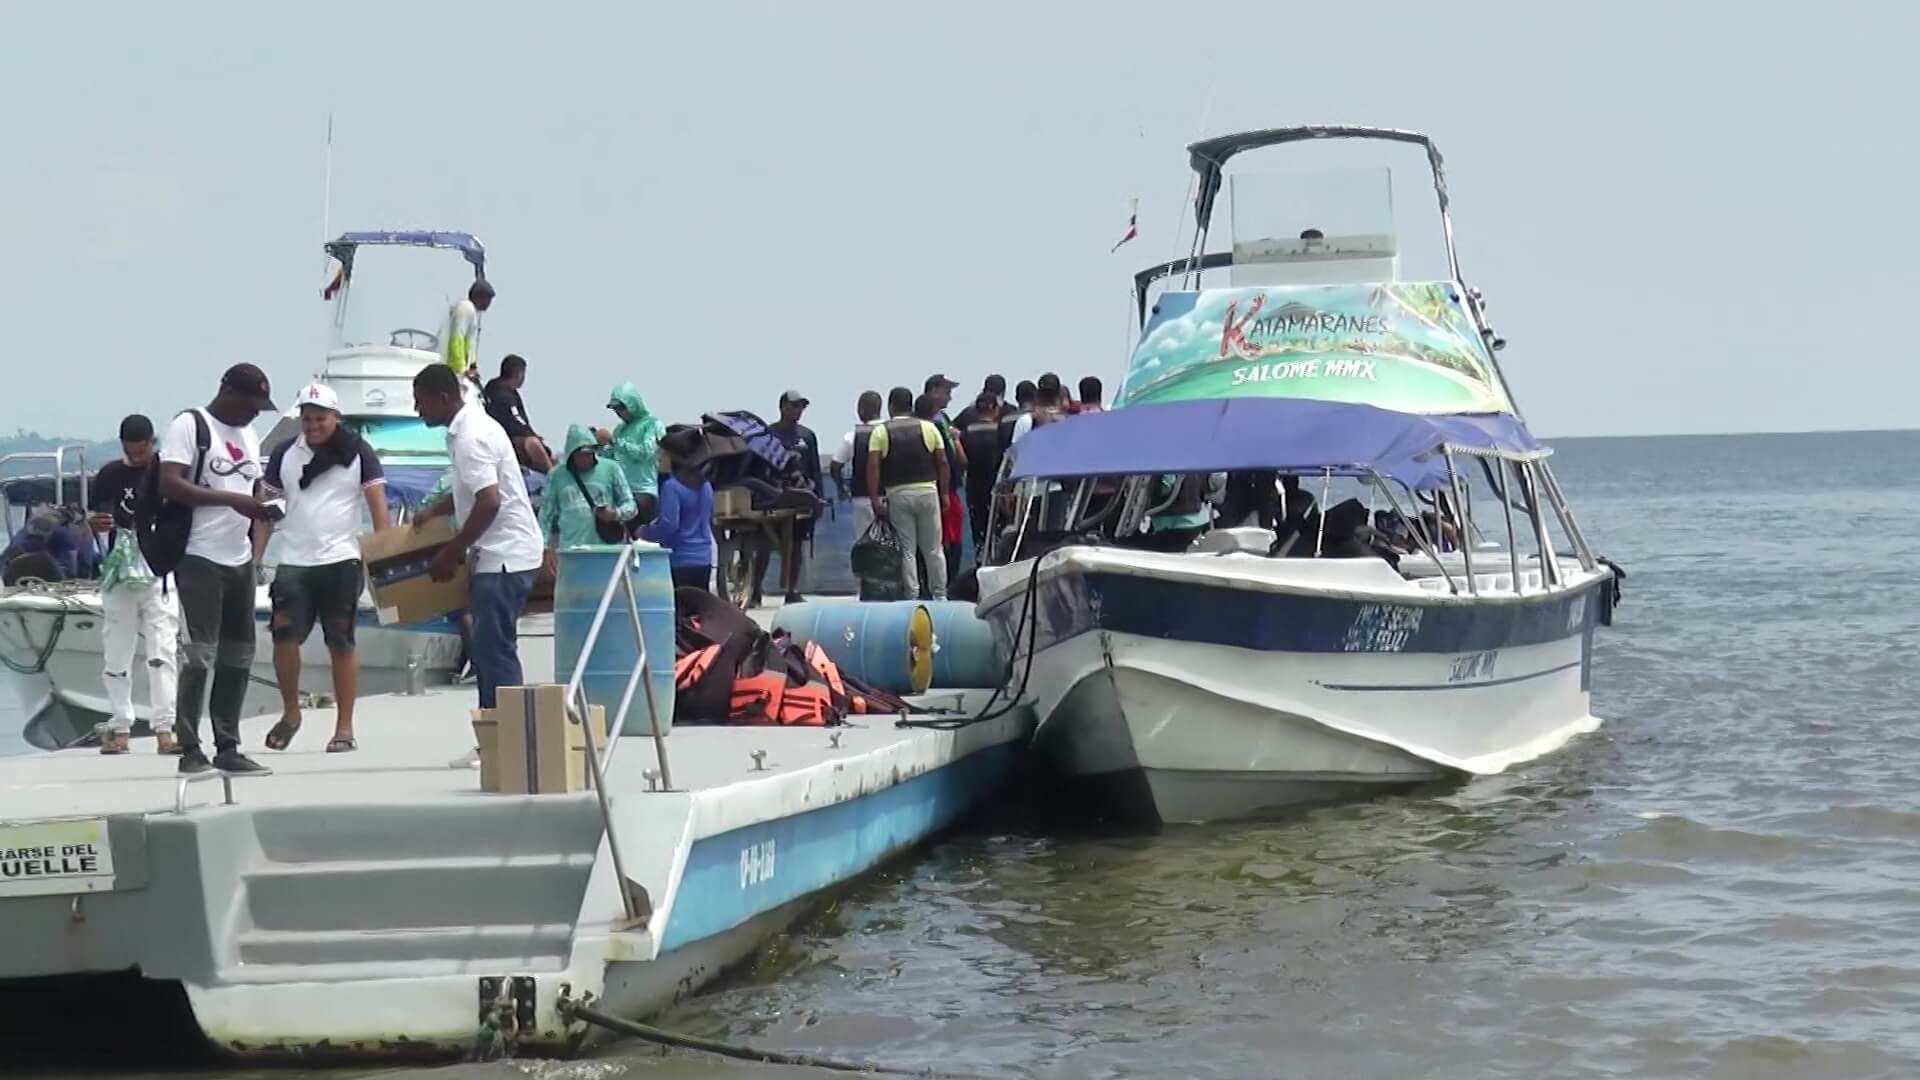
pixel 1408 346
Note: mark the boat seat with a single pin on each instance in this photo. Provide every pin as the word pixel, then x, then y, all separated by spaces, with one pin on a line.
pixel 1250 540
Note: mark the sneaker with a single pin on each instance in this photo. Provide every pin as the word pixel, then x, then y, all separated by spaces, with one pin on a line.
pixel 164 742
pixel 193 761
pixel 113 742
pixel 234 762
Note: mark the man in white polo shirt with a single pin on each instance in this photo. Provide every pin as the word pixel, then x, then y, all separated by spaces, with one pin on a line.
pixel 325 474
pixel 499 538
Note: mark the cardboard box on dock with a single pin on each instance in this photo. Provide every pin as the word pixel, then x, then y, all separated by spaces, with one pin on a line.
pixel 396 560
pixel 529 746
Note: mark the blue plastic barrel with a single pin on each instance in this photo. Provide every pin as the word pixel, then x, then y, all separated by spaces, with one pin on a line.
pixel 576 596
pixel 965 655
pixel 888 646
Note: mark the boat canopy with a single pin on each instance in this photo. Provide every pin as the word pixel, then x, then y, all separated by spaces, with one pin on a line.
pixel 466 244
pixel 1209 156
pixel 1280 434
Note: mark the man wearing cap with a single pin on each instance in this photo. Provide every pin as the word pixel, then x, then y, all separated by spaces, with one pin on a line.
pixel 800 439
pixel 325 474
pixel 460 343
pixel 938 390
pixel 136 605
pixel 215 580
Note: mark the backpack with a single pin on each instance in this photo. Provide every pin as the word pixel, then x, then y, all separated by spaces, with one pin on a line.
pixel 160 525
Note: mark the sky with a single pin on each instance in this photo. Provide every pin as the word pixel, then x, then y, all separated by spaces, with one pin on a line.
pixel 1685 218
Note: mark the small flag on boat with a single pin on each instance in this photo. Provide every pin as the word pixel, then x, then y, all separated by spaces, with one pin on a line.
pixel 1133 226
pixel 336 277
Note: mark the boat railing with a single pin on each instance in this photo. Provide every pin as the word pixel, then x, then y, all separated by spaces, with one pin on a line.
pixel 621 581
pixel 58 458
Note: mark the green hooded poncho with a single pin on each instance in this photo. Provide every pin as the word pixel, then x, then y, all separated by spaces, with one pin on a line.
pixel 565 509
pixel 636 442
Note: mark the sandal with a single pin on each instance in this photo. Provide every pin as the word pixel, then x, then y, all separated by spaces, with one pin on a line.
pixel 282 734
pixel 340 744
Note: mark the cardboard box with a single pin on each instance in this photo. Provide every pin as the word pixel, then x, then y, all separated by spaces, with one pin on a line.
pixel 486 733
pixel 537 749
pixel 396 561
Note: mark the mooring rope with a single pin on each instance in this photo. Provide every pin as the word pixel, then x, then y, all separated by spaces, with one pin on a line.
pixel 574 1011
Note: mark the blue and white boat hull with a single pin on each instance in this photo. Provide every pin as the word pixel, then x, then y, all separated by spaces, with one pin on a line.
pixel 1203 687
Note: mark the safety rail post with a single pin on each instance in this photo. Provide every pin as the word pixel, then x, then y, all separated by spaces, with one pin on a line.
pixel 180 789
pixel 577 708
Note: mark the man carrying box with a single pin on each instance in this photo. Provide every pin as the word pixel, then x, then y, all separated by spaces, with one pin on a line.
pixel 498 533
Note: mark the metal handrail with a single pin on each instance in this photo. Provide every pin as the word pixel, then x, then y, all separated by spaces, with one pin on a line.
pixel 577 709
pixel 186 779
pixel 57 455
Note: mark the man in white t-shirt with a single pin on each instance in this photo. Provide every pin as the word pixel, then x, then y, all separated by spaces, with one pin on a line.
pixel 325 474
pixel 216 578
pixel 499 537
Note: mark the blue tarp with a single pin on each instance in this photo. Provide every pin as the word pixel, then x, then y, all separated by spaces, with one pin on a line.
pixel 1282 434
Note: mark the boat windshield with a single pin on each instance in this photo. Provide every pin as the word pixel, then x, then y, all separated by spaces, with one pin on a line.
pixel 398 289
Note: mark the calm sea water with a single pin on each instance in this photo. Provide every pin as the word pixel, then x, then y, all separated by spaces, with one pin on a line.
pixel 1723 882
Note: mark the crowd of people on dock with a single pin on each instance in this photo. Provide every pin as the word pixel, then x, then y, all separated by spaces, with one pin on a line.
pixel 180 523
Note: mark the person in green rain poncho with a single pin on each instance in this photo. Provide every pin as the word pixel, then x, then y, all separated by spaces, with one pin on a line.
pixel 584 496
pixel 635 447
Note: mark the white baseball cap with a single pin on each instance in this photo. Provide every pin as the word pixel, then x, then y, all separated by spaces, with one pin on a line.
pixel 317 394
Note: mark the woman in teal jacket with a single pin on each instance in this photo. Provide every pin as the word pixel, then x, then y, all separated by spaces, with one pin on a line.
pixel 635 447
pixel 583 493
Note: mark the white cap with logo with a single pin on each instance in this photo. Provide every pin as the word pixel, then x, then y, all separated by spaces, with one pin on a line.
pixel 318 395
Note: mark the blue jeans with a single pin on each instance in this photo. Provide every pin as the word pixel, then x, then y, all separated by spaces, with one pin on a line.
pixel 497 600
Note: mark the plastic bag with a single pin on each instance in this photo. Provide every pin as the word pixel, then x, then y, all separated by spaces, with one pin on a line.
pixel 880 563
pixel 124 566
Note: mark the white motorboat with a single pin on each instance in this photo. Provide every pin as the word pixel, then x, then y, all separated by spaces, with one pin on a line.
pixel 55 630
pixel 1255 668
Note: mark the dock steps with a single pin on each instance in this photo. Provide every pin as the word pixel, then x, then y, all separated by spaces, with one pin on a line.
pixel 476 886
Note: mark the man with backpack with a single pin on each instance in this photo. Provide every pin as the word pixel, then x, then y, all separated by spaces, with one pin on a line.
pixel 908 480
pixel 136 604
pixel 199 525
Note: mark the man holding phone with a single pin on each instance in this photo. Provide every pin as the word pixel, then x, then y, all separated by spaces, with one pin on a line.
pixel 210 460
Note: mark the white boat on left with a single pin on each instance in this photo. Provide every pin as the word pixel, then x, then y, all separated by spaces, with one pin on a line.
pixel 54 630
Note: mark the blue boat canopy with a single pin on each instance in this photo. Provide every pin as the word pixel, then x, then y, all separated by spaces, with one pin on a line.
pixel 1296 435
pixel 466 244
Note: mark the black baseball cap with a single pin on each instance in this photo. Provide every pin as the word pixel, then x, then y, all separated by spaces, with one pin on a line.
pixel 939 380
pixel 794 397
pixel 250 381
pixel 136 428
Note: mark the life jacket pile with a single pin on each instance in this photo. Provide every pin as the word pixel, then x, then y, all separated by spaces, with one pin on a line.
pixel 729 673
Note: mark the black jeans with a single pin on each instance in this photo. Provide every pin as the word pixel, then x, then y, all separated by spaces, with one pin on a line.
pixel 693 577
pixel 216 619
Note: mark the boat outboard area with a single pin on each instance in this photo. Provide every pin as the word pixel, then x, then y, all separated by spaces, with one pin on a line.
pixel 1312 551
pixel 382 905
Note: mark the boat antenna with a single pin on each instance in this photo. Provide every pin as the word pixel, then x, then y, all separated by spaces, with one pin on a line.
pixel 1193 178
pixel 326 189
